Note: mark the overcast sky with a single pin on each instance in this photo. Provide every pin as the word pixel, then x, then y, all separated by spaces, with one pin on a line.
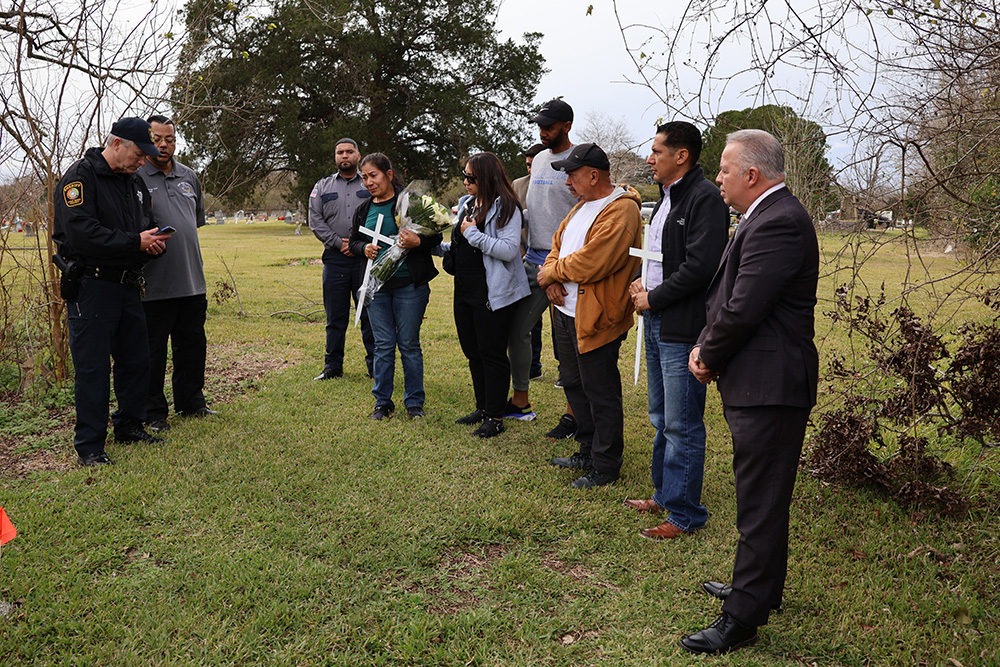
pixel 587 59
pixel 589 66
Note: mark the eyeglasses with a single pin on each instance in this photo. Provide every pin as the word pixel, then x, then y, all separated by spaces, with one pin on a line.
pixel 469 177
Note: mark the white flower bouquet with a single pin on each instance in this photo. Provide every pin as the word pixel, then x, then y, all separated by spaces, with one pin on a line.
pixel 417 213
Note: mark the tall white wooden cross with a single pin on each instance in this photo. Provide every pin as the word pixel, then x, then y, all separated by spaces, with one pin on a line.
pixel 377 236
pixel 646 255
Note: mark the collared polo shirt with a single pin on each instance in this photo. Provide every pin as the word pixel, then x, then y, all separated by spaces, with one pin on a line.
pixel 331 207
pixel 178 202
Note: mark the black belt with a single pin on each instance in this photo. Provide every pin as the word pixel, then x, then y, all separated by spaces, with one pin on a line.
pixel 127 277
pixel 111 275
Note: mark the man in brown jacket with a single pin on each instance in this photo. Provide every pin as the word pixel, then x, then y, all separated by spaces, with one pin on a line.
pixel 586 277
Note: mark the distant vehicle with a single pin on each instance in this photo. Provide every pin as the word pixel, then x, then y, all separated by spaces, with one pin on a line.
pixel 646 210
pixel 872 219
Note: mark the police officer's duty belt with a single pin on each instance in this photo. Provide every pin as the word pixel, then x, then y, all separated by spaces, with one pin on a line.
pixel 128 277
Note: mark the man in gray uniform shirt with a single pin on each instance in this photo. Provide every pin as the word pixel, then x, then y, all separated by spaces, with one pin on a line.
pixel 549 201
pixel 175 302
pixel 331 208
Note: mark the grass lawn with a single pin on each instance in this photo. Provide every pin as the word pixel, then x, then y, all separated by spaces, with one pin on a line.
pixel 292 530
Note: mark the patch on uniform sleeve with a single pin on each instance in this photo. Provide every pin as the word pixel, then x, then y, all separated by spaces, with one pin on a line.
pixel 313 193
pixel 73 193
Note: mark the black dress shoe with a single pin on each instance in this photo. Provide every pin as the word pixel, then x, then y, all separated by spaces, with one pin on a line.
pixel 578 461
pixel 724 635
pixel 201 412
pixel 329 374
pixel 720 590
pixel 135 433
pixel 95 459
pixel 717 589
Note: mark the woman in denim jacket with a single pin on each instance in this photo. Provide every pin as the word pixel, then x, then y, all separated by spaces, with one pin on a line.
pixel 489 279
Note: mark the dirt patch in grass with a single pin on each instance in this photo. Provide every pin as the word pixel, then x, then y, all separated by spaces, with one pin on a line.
pixel 577 572
pixel 231 370
pixel 458 580
pixel 458 564
pixel 17 460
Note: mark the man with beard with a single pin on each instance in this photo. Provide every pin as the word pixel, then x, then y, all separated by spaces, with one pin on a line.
pixel 175 303
pixel 331 208
pixel 549 200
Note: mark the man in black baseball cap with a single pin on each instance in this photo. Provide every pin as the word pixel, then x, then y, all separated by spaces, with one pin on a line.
pixel 138 132
pixel 554 111
pixel 104 231
pixel 548 201
pixel 586 277
pixel 584 155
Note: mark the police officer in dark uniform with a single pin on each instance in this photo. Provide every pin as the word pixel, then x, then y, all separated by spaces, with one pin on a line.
pixel 104 233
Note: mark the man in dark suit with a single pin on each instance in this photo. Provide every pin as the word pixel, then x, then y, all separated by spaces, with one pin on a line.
pixel 758 345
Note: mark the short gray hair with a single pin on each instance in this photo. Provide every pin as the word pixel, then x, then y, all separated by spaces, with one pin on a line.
pixel 127 143
pixel 761 150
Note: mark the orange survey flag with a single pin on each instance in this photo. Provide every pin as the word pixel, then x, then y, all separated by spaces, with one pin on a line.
pixel 7 529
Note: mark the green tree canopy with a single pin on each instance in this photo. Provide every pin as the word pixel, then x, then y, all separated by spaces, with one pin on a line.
pixel 271 87
pixel 809 174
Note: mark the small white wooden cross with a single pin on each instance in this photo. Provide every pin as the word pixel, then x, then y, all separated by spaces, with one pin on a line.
pixel 377 236
pixel 646 255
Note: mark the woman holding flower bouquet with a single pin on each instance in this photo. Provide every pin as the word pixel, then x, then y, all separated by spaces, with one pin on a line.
pixel 397 308
pixel 489 280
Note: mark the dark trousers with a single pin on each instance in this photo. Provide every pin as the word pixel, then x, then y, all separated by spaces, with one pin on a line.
pixel 182 321
pixel 593 388
pixel 342 277
pixel 106 322
pixel 767 442
pixel 483 334
pixel 536 349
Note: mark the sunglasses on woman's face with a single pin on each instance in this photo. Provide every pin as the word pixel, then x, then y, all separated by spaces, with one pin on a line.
pixel 469 177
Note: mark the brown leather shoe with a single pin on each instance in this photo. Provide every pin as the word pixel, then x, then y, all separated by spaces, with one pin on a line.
pixel 644 505
pixel 665 531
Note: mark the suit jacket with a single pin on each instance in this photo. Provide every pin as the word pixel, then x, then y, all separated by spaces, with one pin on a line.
pixel 759 327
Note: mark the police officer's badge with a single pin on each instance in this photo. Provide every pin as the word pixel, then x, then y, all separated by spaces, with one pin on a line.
pixel 73 193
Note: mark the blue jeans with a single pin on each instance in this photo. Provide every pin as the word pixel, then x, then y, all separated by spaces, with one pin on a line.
pixel 676 411
pixel 396 315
